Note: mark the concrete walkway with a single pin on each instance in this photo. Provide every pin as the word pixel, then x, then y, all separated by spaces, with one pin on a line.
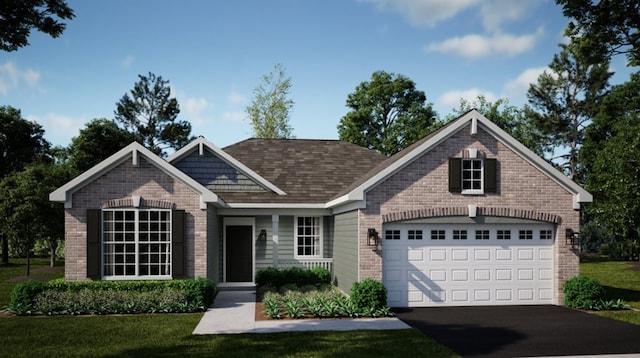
pixel 233 312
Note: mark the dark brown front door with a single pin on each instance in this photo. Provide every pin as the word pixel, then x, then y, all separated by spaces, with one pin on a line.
pixel 239 253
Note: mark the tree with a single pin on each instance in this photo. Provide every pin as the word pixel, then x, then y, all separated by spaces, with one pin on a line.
pixel 21 142
pixel 97 141
pixel 269 109
pixel 387 114
pixel 28 213
pixel 611 155
pixel 150 114
pixel 565 99
pixel 510 118
pixel 604 28
pixel 19 17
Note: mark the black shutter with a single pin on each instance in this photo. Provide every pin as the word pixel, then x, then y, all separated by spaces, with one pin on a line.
pixel 94 221
pixel 455 175
pixel 490 176
pixel 177 244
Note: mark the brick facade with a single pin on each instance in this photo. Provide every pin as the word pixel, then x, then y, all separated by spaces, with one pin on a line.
pixel 421 190
pixel 115 189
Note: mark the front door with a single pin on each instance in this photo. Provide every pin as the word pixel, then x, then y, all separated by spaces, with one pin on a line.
pixel 239 254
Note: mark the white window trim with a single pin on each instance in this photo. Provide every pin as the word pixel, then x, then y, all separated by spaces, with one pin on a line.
pixel 136 243
pixel 472 191
pixel 318 254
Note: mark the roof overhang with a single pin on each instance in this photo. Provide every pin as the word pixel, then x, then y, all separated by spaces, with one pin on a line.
pixel 133 152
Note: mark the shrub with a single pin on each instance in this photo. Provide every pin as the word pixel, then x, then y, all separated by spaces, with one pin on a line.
pixel 296 276
pixel 369 294
pixel 106 297
pixel 582 292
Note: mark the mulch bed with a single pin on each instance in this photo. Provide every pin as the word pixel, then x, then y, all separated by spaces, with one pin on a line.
pixel 635 266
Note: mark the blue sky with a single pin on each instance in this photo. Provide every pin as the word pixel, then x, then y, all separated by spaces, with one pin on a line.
pixel 214 54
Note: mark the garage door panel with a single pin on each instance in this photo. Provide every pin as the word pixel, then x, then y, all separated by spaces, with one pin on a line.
pixel 469 272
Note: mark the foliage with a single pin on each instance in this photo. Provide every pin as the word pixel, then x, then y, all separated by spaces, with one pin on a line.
pixel 28 213
pixel 269 109
pixel 565 99
pixel 277 278
pixel 582 292
pixel 387 114
pixel 19 17
pixel 317 302
pixel 97 141
pixel 604 28
pixel 151 115
pixel 10 273
pixel 627 250
pixel 617 278
pixel 610 157
pixel 509 118
pixel 109 297
pixel 369 293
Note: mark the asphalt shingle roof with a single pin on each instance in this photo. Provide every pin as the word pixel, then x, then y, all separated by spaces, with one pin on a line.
pixel 309 171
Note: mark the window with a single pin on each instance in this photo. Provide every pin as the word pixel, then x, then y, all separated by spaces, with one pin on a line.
pixel 308 236
pixel 482 234
pixel 437 235
pixel 504 235
pixel 526 234
pixel 415 235
pixel 392 235
pixel 136 243
pixel 472 176
pixel 545 235
pixel 459 234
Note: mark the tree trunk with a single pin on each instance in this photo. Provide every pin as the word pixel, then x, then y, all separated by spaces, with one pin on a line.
pixel 28 263
pixel 53 245
pixel 5 249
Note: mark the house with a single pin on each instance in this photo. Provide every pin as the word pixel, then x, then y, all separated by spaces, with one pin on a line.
pixel 465 216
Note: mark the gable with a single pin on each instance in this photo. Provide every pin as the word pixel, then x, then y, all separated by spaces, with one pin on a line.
pixel 216 174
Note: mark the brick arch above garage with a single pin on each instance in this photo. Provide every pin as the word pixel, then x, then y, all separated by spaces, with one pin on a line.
pixel 428 213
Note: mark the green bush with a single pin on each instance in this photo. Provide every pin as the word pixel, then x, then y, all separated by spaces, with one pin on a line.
pixel 276 278
pixel 582 292
pixel 627 250
pixel 110 297
pixel 369 294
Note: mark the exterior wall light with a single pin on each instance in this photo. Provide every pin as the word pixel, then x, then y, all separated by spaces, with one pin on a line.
pixel 373 239
pixel 262 236
pixel 572 238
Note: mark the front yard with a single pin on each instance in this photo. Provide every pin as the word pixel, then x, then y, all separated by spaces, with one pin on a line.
pixel 170 334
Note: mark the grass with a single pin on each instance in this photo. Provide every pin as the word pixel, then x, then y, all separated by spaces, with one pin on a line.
pixel 18 268
pixel 619 282
pixel 169 335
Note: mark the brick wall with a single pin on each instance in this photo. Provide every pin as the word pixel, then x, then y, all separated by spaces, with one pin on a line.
pixel 422 187
pixel 117 186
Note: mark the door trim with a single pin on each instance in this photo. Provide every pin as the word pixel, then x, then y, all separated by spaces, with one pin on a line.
pixel 239 221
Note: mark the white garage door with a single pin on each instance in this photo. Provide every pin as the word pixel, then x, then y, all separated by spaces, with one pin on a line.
pixel 468 264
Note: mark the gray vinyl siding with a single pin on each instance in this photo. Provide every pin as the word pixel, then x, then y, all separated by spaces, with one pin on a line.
pixel 345 250
pixel 264 249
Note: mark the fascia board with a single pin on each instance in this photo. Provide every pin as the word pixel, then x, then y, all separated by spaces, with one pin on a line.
pixel 227 158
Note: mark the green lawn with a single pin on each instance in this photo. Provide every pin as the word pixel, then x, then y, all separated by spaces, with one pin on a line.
pixel 17 268
pixel 619 282
pixel 169 335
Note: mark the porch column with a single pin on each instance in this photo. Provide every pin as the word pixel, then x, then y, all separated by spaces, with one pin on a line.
pixel 275 225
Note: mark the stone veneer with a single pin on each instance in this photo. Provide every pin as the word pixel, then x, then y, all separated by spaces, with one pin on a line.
pixel 115 189
pixel 421 190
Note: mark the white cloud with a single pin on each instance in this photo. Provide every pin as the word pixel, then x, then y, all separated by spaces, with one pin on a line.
pixel 236 98
pixel 194 108
pixel 476 46
pixel 59 129
pixel 12 77
pixel 495 12
pixel 452 99
pixel 520 85
pixel 234 116
pixel 421 12
pixel 127 62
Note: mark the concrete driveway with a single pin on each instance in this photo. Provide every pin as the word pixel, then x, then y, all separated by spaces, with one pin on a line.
pixel 520 331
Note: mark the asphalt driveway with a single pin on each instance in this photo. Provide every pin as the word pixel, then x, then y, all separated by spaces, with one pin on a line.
pixel 521 331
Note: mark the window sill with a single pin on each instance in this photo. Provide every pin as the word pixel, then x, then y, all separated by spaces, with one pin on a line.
pixel 472 192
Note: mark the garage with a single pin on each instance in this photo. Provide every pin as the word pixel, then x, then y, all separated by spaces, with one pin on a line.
pixel 492 262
